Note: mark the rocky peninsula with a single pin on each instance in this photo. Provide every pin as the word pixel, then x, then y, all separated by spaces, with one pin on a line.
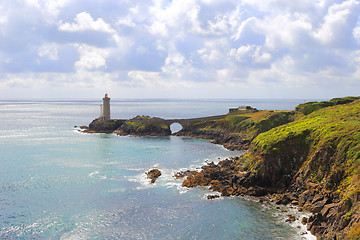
pixel 309 157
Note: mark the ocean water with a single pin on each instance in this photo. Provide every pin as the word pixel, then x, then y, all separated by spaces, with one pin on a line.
pixel 58 183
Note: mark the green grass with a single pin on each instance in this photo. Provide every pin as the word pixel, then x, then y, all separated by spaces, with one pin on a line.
pixel 246 123
pixel 331 137
pixel 310 107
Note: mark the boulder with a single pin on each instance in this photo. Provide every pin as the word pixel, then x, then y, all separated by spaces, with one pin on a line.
pixel 153 174
pixel 291 218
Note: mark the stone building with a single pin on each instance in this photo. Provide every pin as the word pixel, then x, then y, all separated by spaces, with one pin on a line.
pixel 241 108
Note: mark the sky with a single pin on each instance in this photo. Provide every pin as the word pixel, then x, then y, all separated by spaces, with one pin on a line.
pixel 179 48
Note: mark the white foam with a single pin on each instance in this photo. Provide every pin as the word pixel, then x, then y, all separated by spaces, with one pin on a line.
pixel 97 175
pixel 116 190
pixel 282 212
pixel 143 180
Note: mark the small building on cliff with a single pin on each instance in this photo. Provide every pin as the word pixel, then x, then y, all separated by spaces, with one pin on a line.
pixel 241 108
pixel 105 109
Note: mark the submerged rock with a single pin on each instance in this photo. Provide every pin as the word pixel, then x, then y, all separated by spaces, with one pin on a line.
pixel 213 196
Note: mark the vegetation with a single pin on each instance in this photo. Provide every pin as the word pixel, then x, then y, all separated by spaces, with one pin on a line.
pixel 310 107
pixel 354 233
pixel 331 139
pixel 144 126
pixel 247 124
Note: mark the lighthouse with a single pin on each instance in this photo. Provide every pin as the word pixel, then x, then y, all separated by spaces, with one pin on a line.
pixel 105 109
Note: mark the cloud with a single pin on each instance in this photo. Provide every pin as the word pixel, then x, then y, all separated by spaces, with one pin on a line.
pixel 339 23
pixel 181 44
pixel 84 22
pixel 49 50
pixel 91 58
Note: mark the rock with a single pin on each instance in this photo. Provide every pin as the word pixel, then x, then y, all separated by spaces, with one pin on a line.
pixel 304 220
pixel 316 207
pixel 306 196
pixel 153 174
pixel 211 197
pixel 182 174
pixel 291 218
pixel 281 199
pixel 326 211
pixel 256 191
pixel 104 126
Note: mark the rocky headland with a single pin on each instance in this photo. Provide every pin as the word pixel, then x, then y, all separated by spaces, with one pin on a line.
pixel 312 161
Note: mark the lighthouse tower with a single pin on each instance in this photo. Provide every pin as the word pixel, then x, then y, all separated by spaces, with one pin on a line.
pixel 105 109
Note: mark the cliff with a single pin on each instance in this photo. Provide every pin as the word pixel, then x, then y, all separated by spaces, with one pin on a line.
pixel 317 154
pixel 312 161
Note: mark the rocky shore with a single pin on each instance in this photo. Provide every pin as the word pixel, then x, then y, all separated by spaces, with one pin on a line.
pixel 327 220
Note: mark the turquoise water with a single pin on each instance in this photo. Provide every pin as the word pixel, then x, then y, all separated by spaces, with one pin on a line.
pixel 57 183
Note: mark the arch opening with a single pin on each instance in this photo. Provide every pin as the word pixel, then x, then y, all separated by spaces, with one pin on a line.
pixel 175 127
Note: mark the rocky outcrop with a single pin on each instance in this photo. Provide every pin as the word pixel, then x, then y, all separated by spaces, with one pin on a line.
pixel 144 126
pixel 138 126
pixel 153 174
pixel 104 126
pixel 225 178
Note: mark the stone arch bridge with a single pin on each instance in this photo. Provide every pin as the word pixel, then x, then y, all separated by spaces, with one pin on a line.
pixel 189 121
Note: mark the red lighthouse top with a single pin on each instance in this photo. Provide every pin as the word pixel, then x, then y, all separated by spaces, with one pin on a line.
pixel 106 95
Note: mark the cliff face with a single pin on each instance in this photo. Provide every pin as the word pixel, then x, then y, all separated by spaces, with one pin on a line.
pixel 320 155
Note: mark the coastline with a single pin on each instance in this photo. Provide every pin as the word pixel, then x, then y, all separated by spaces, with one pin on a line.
pixel 302 157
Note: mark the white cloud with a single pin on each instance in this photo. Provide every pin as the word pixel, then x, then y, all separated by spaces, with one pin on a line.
pixel 84 22
pixel 213 51
pixel 250 53
pixel 356 33
pixel 339 22
pixel 158 29
pixel 91 58
pixel 183 43
pixel 50 9
pixel 285 30
pixel 127 21
pixel 49 50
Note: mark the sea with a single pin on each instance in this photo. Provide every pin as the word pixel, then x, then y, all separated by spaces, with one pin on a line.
pixel 59 183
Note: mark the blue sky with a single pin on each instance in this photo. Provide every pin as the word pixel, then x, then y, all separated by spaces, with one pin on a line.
pixel 179 48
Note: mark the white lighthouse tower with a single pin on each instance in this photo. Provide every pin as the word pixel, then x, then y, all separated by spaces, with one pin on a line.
pixel 105 109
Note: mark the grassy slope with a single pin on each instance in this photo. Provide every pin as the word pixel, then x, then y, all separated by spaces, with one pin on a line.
pixel 331 137
pixel 247 124
pixel 310 107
